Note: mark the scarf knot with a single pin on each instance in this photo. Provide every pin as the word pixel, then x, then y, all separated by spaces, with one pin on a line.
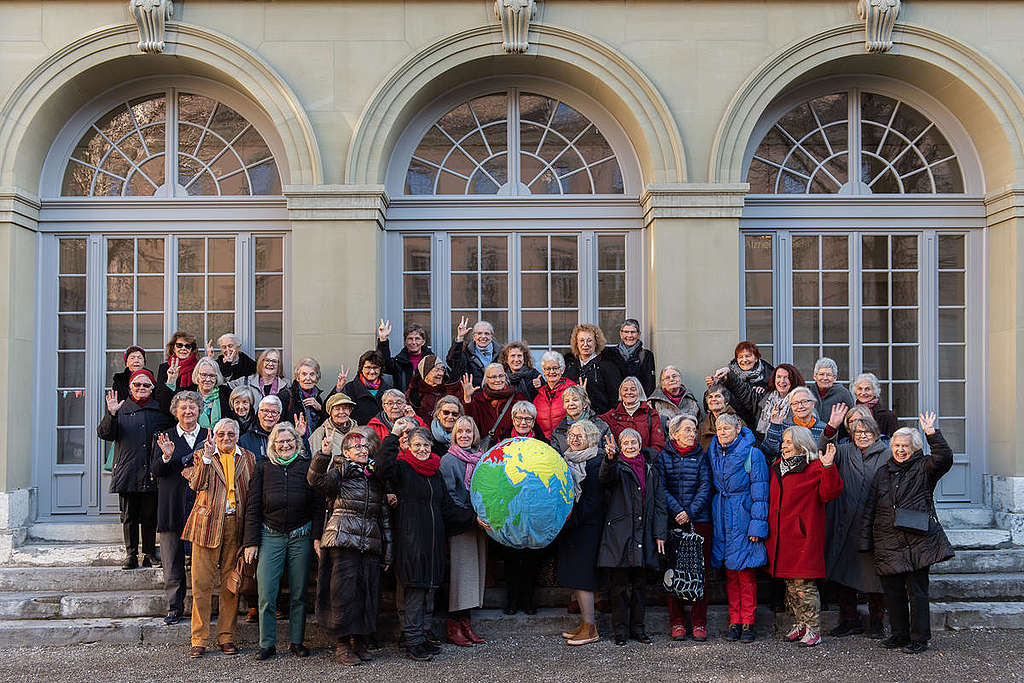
pixel 471 458
pixel 425 468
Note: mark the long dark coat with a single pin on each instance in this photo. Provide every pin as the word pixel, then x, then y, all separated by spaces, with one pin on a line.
pixel 640 365
pixel 358 517
pixel 314 417
pixel 425 514
pixel 845 516
pixel 399 366
pixel 580 539
pixel 132 430
pixel 175 496
pixel 631 525
pixel 461 359
pixel 602 377
pixel 909 485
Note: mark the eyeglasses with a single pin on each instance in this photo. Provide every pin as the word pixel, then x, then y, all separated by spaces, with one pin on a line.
pixel 141 385
pixel 522 418
pixel 574 437
pixel 268 411
pixel 360 446
pixel 207 375
pixel 182 345
pixel 804 402
pixel 392 404
pixel 270 361
pixel 861 432
pixel 285 441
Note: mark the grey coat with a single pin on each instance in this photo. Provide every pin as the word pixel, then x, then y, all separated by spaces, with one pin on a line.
pixel 845 516
pixel 835 395
pixel 631 527
pixel 667 409
pixel 453 472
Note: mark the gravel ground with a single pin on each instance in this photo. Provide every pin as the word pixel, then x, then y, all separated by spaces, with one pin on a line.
pixel 965 656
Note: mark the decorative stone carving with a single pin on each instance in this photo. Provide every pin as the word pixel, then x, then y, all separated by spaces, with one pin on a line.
pixel 151 16
pixel 879 17
pixel 514 17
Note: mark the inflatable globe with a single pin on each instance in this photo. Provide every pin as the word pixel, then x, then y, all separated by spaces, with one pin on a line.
pixel 522 488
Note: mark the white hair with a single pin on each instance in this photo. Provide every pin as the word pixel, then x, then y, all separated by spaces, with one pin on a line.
pixel 803 441
pixel 483 324
pixel 824 362
pixel 676 422
pixel 231 337
pixel 521 407
pixel 870 378
pixel 641 394
pixel 916 440
pixel 800 390
pixel 271 400
pixel 225 422
pixel 206 360
pixel 553 357
pixel 393 392
pixel 729 419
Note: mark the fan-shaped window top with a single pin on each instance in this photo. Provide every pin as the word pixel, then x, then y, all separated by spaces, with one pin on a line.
pixel 898 150
pixel 554 150
pixel 216 152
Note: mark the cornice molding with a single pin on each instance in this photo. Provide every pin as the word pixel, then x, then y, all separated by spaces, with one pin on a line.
pixel 19 208
pixel 693 200
pixel 879 17
pixel 337 203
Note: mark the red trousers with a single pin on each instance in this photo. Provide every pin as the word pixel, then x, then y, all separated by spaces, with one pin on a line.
pixel 677 607
pixel 741 587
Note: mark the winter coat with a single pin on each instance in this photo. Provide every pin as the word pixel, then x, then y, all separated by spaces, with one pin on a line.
pixel 119 383
pixel 688 404
pixel 835 395
pixel 462 360
pixel 845 516
pixel 425 513
pixel 602 377
pixel 314 416
pixel 205 525
pixel 283 392
pixel 640 365
pixel 358 516
pixel 316 439
pixel 236 374
pixel 550 409
pixel 423 397
pixel 885 419
pixel 580 539
pixel 453 472
pixel 522 381
pixel 796 518
pixel 749 403
pixel 772 443
pixel 560 434
pixel 399 366
pixel 183 383
pixel 382 427
pixel 645 420
pixel 224 399
pixel 706 429
pixel 281 499
pixel 687 482
pixel 367 405
pixel 174 498
pixel 132 430
pixel 486 414
pixel 631 525
pixel 910 485
pixel 255 441
pixel 739 504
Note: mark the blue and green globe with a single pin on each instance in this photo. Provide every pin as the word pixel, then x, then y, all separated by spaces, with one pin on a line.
pixel 521 487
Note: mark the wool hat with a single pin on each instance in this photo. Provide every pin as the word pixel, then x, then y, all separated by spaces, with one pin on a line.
pixel 132 349
pixel 335 399
pixel 142 371
pixel 428 363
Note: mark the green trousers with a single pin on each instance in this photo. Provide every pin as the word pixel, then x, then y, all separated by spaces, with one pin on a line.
pixel 276 549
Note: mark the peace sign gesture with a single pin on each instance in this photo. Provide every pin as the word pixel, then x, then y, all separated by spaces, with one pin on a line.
pixel 384 330
pixel 609 446
pixel 209 448
pixel 328 441
pixel 300 423
pixel 342 379
pixel 173 370
pixel 462 329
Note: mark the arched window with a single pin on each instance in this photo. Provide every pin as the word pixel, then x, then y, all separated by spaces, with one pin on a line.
pixel 217 151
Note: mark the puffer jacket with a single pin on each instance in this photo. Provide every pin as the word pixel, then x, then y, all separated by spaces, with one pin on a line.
pixel 909 485
pixel 358 516
pixel 687 482
pixel 632 524
pixel 739 507
pixel 550 409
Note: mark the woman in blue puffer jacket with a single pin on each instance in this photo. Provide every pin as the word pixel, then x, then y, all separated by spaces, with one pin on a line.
pixel 686 475
pixel 739 515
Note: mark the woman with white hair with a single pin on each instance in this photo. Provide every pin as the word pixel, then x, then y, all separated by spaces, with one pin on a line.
pixel 305 406
pixel 269 378
pixel 577 408
pixel 235 364
pixel 216 394
pixel 524 421
pixel 490 404
pixel 633 412
pixel 548 401
pixel 829 394
pixel 672 398
pixel 244 400
pixel 801 402
pixel 803 480
pixel 393 406
pixel 902 528
pixel 868 391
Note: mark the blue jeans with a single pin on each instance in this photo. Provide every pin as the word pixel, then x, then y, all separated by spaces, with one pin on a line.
pixel 275 549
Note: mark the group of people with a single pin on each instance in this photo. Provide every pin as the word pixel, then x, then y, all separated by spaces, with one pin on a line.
pixel 226 458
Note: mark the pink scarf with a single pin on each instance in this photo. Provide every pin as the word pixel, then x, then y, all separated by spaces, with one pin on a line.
pixel 470 458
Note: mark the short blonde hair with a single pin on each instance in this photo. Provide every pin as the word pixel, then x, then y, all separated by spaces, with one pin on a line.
pixel 599 340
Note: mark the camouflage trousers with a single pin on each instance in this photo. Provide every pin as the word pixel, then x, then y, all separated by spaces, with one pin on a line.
pixel 803 602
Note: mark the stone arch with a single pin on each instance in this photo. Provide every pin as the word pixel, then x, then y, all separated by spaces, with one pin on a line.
pixel 43 102
pixel 975 90
pixel 556 53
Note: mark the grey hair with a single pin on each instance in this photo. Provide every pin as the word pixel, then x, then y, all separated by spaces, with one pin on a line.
pixel 580 393
pixel 484 323
pixel 869 377
pixel 629 431
pixel 591 434
pixel 403 421
pixel 284 427
pixel 524 407
pixel 676 422
pixel 729 418
pixel 271 400
pixel 445 400
pixel 231 337
pixel 552 357
pixel 641 394
pixel 225 422
pixel 421 433
pixel 244 390
pixel 393 392
pixel 869 424
pixel 825 362
pixel 800 390
pixel 206 360
pixel 661 375
pixel 466 419
pixel 351 436
pixel 495 365
pixel 916 440
pixel 803 441
pixel 186 396
pixel 309 363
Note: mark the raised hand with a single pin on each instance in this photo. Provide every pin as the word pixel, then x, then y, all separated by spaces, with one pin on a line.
pixel 209 448
pixel 384 329
pixel 776 417
pixel 166 446
pixel 173 370
pixel 609 446
pixel 410 411
pixel 583 383
pixel 721 373
pixel 113 405
pixel 209 348
pixel 300 422
pixel 709 380
pixel 660 542
pixel 829 456
pixel 392 499
pixel 311 402
pixel 927 420
pixel 467 387
pixel 839 411
pixel 536 382
pixel 328 441
pixel 462 329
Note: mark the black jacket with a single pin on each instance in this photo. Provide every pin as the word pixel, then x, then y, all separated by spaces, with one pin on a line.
pixel 358 515
pixel 639 365
pixel 280 498
pixel 603 381
pixel 183 383
pixel 314 416
pixel 132 430
pixel 461 360
pixel 399 366
pixel 631 527
pixel 172 506
pixel 522 381
pixel 425 513
pixel 367 405
pixel 119 383
pixel 255 440
pixel 239 370
pixel 909 485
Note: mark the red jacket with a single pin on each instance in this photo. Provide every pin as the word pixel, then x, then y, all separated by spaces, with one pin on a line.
pixel 548 402
pixel 645 420
pixel 485 413
pixel 382 430
pixel 796 519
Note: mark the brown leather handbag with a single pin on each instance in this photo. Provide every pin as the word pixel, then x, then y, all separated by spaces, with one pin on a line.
pixel 242 580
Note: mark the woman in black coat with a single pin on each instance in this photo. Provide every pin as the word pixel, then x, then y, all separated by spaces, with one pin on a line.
pixel 585 367
pixel 367 389
pixel 355 547
pixel 580 538
pixel 424 515
pixel 404 365
pixel 629 356
pixel 131 424
pixel 634 537
pixel 134 359
pixel 517 360
pixel 305 400
pixel 902 528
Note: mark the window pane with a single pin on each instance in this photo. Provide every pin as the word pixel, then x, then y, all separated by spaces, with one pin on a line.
pixel 72 256
pixel 611 289
pixel 416 291
pixel 464 291
pixel 71 294
pixel 268 331
pixel 493 253
pixel 759 326
pixel 534 290
pixel 218 324
pixel 758 290
pixel 757 254
pixel 149 331
pixel 951 362
pixel 71 446
pixel 71 369
pixel 151 293
pixel 805 327
pixel 535 327
pixel 611 252
pixel 71 331
pixel 151 255
pixel 191 255
pixel 951 251
pixel 835 326
pixel 904 289
pixel 221 292
pixel 493 291
pixel 534 253
pixel 951 398
pixel 876 359
pixel 835 254
pixel 222 255
pixel 270 292
pixel 904 400
pixel 875 251
pixel 120 293
pixel 120 332
pixel 120 256
pixel 416 253
pixel 464 253
pixel 951 288
pixel 951 325
pixel 564 253
pixel 904 362
pixel 270 254
pixel 71 408
pixel 875 289
pixel 562 323
pixel 904 325
pixel 805 253
pixel 191 293
pixel 805 289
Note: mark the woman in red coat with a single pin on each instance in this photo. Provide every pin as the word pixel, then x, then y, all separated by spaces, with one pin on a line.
pixel 802 481
pixel 548 401
pixel 633 412
pixel 491 403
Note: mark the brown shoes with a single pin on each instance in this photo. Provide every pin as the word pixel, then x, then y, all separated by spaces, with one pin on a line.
pixel 229 648
pixel 586 635
pixel 343 654
pixel 467 631
pixel 252 616
pixel 569 635
pixel 196 652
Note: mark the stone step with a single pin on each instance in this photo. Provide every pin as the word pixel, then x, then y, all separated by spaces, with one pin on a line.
pixel 99 604
pixel 966 517
pixel 983 562
pixel 959 616
pixel 50 554
pixel 1007 587
pixel 978 538
pixel 78 532
pixel 79 579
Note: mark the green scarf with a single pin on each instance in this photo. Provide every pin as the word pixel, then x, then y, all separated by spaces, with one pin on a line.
pixel 211 409
pixel 282 462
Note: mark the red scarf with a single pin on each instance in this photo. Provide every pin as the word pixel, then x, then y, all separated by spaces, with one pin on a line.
pixel 185 367
pixel 368 384
pixel 682 453
pixel 426 468
pixel 676 400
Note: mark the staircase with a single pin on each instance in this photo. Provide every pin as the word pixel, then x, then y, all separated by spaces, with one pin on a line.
pixel 64 593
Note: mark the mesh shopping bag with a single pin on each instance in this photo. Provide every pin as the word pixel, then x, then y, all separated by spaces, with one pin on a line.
pixel 684 577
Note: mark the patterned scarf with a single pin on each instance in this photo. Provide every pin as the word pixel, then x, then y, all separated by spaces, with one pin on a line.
pixel 470 458
pixel 577 462
pixel 754 375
